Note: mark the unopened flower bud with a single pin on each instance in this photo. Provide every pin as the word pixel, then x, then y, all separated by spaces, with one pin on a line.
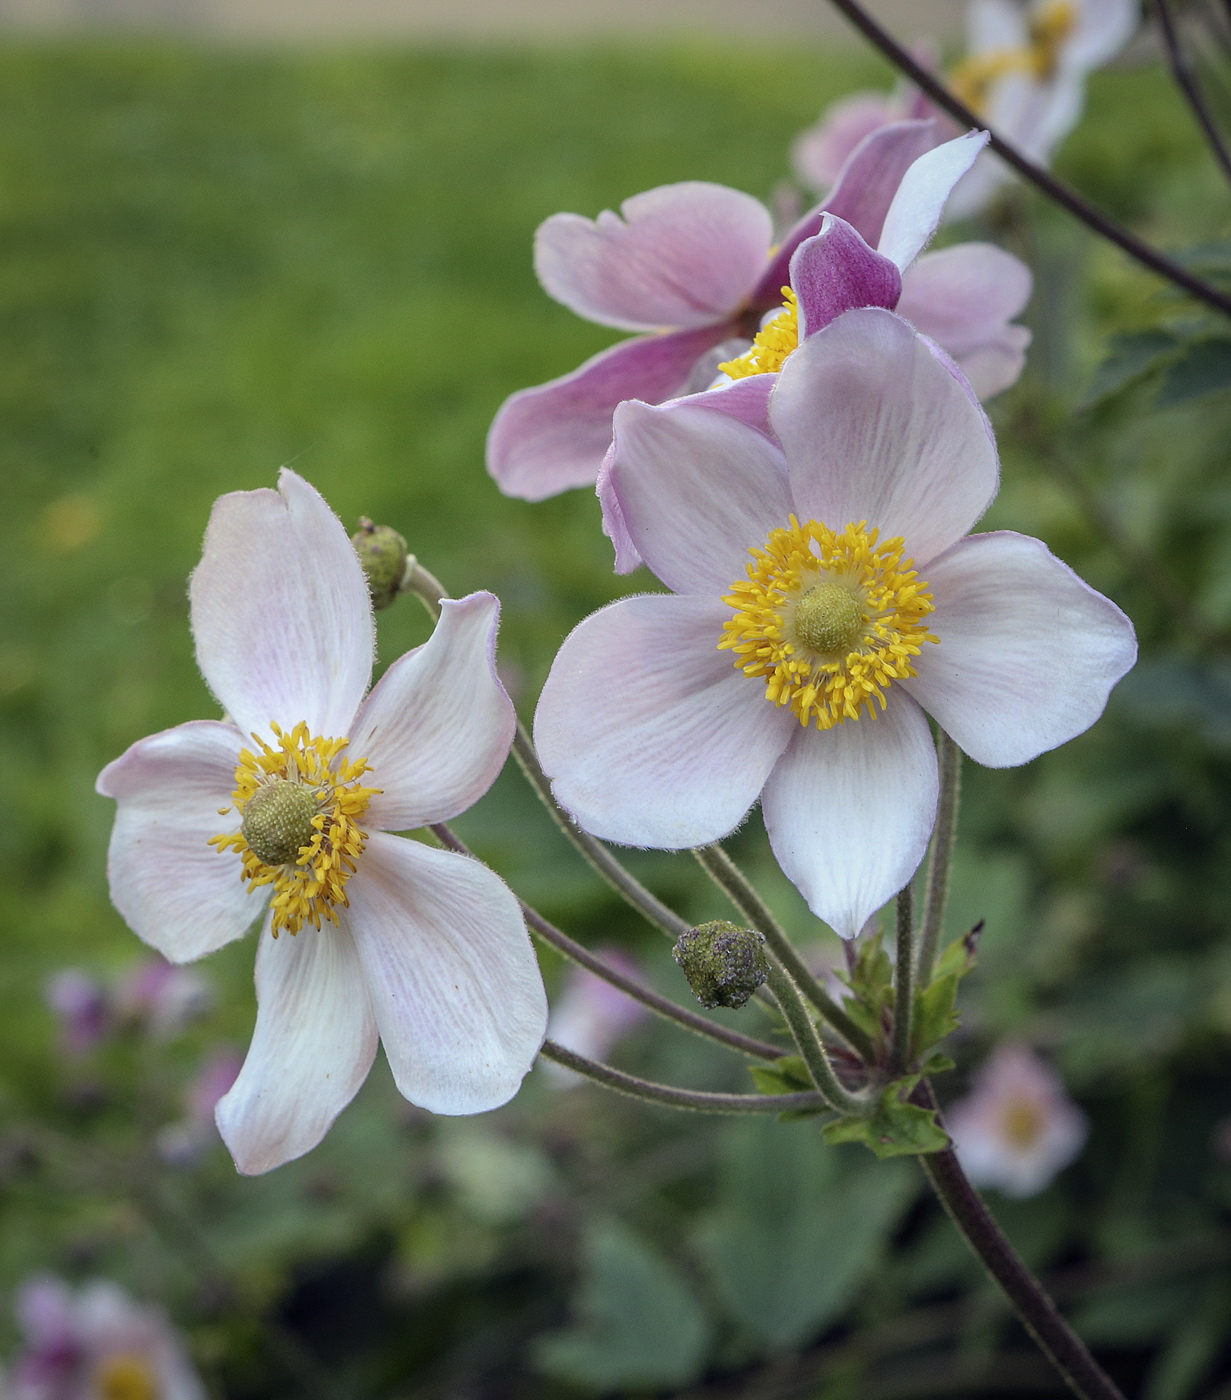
pixel 724 964
pixel 382 552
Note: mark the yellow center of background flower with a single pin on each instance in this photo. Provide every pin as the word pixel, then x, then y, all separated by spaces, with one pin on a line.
pixel 829 618
pixel 774 342
pixel 127 1377
pixel 1022 1123
pixel 300 805
pixel 1049 26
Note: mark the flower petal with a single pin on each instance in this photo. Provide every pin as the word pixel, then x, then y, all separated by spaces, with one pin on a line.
pixel 921 197
pixel 861 195
pixel 1103 28
pixel 681 256
pixel 314 1042
pixel 438 727
pixel 835 272
pixel 849 811
pixel 452 975
pixel 176 891
pixel 697 488
pixel 876 428
pixel 964 295
pixel 1028 653
pixel 649 734
pixel 280 611
pixel 819 153
pixel 553 437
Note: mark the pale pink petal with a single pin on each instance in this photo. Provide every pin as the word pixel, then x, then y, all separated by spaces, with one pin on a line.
pixel 176 891
pixel 452 974
pixel 849 811
pixel 862 195
pixel 995 24
pixel 1028 653
pixel 964 298
pixel 649 734
pixel 921 197
pixel 280 611
pixel 835 272
pixel 680 256
pixel 1103 28
pixel 697 488
pixel 819 153
pixel 876 428
pixel 438 726
pixel 553 437
pixel 314 1042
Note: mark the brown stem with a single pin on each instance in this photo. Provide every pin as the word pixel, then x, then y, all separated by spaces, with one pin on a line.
pixel 1042 179
pixel 1186 80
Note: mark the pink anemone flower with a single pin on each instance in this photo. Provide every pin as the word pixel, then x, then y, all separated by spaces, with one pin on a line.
pixel 694 263
pixel 805 676
pixel 283 812
pixel 97 1344
pixel 1018 1128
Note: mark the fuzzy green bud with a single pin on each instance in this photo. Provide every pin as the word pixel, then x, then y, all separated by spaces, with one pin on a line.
pixel 724 964
pixel 382 552
pixel 278 821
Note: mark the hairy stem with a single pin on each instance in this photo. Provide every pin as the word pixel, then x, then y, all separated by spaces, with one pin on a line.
pixel 1042 179
pixel 431 592
pixel 672 1097
pixel 1187 81
pixel 949 757
pixel 660 1005
pixel 1039 1315
pixel 732 881
pixel 811 1047
pixel 904 988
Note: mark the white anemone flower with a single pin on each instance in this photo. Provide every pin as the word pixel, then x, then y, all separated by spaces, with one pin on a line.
pixel 1018 1127
pixel 803 676
pixel 284 809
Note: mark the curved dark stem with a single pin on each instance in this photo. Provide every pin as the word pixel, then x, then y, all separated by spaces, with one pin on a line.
pixel 904 983
pixel 671 1097
pixel 660 1005
pixel 1187 81
pixel 1032 1304
pixel 1042 179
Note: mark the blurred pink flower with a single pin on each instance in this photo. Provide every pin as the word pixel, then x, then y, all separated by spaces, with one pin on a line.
pixel 97 1344
pixel 590 1015
pixel 820 151
pixel 1018 1127
pixel 185 1141
pixel 165 997
pixel 80 1005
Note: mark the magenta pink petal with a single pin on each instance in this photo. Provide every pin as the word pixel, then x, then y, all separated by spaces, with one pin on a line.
pixel 835 272
pixel 648 733
pixel 676 257
pixel 553 437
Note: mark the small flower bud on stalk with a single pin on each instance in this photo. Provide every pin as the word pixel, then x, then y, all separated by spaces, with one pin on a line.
pixel 724 964
pixel 382 552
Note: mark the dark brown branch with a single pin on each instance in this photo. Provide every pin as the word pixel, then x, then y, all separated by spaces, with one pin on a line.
pixel 1189 84
pixel 1042 179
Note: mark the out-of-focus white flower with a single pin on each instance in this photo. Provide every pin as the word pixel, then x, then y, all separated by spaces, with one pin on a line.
pixel 590 1016
pixel 97 1343
pixel 81 1007
pixel 825 598
pixel 284 811
pixel 184 1142
pixel 1018 1127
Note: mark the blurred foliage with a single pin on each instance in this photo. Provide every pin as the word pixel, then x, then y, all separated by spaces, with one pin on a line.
pixel 215 263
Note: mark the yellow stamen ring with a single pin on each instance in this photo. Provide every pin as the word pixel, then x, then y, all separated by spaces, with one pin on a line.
pixel 1049 26
pixel 829 618
pixel 300 805
pixel 774 342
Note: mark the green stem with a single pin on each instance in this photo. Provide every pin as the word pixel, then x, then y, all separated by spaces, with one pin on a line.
pixel 811 1047
pixel 672 1097
pixel 904 999
pixel 431 592
pixel 949 757
pixel 732 881
pixel 660 1005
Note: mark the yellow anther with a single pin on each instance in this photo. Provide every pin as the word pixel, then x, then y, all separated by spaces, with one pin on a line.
pixel 774 342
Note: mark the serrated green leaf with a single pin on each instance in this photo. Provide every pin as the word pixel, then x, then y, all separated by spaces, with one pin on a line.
pixel 897 1129
pixel 936 1005
pixel 1201 368
pixel 1130 357
pixel 937 1063
pixel 640 1326
pixel 789 1075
